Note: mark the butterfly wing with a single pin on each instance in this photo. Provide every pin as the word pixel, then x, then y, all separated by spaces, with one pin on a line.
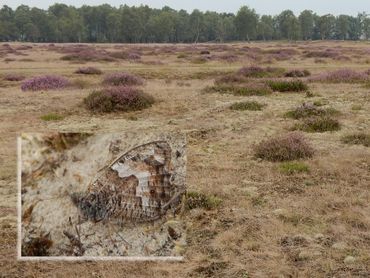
pixel 137 186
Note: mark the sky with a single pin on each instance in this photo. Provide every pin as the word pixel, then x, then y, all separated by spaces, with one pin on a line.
pixel 271 7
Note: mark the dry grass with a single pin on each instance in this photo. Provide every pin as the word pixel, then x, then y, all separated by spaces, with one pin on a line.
pixel 269 224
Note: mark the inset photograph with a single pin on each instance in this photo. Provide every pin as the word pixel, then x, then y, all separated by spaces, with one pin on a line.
pixel 102 195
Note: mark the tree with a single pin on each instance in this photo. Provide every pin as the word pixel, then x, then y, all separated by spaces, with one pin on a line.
pixel 365 20
pixel 196 22
pixel 8 28
pixel 306 20
pixel 246 23
pixel 326 26
pixel 289 25
pixel 342 26
pixel 265 28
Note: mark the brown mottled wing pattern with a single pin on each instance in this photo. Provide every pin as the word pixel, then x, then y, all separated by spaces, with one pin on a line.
pixel 136 187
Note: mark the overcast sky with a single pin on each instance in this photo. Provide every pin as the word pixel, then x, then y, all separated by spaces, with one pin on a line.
pixel 351 7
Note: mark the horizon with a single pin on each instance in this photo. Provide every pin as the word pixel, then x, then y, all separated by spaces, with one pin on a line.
pixel 262 7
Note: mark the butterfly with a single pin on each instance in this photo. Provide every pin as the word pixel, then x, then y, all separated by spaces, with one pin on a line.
pixel 139 186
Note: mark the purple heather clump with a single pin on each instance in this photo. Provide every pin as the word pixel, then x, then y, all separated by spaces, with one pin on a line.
pixel 341 76
pixel 45 82
pixel 122 79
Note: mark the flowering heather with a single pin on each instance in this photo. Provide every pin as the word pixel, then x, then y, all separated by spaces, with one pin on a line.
pixel 122 79
pixel 88 70
pixel 121 98
pixel 46 82
pixel 287 147
pixel 14 77
pixel 341 76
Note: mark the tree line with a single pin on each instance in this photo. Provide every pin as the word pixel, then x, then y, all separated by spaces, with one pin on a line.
pixel 104 23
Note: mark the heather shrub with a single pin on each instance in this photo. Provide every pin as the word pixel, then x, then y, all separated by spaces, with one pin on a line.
pixel 121 98
pixel 87 56
pixel 247 105
pixel 318 124
pixel 228 58
pixel 287 85
pixel 287 147
pixel 258 72
pixel 230 78
pixel 122 79
pixel 14 77
pixel 80 83
pixel 341 76
pixel 255 89
pixel 293 167
pixel 357 139
pixel 88 70
pixel 119 55
pixel 298 73
pixel 46 82
pixel 323 54
pixel 205 52
pixel 51 117
pixel 83 53
pixel 182 56
pixel 200 200
pixel 281 54
pixel 199 60
pixel 309 110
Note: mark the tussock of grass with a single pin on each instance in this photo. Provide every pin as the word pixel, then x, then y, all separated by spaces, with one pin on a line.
pixel 285 147
pixel 318 124
pixel 200 200
pixel 293 167
pixel 51 117
pixel 287 85
pixel 247 105
pixel 357 139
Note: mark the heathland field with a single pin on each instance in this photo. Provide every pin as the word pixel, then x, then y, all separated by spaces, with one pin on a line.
pixel 278 170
